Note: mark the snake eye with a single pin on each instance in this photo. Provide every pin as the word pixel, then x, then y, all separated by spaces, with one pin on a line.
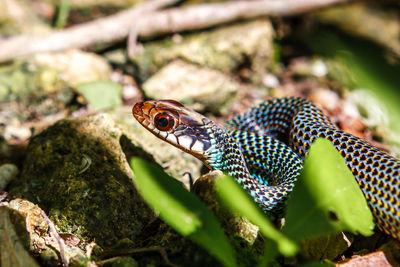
pixel 164 121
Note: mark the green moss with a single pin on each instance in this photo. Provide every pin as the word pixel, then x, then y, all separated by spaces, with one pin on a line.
pixel 99 203
pixel 24 82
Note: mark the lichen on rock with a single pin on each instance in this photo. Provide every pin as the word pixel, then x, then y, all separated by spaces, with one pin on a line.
pixel 221 48
pixel 199 88
pixel 76 171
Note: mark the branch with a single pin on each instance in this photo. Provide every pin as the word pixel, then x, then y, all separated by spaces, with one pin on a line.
pixel 108 29
pixel 208 15
pixel 146 23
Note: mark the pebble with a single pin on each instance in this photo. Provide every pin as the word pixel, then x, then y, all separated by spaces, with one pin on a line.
pixel 319 68
pixel 326 98
pixel 270 80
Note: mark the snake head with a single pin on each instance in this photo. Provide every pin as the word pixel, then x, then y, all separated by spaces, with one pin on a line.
pixel 178 125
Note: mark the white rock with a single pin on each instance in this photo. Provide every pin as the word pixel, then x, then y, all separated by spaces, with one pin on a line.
pixel 319 68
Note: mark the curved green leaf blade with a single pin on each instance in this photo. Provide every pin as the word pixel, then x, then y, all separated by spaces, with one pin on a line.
pixel 238 200
pixel 326 198
pixel 101 94
pixel 181 209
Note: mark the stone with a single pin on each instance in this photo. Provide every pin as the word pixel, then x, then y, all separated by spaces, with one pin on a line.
pixel 222 48
pixel 77 172
pixel 198 88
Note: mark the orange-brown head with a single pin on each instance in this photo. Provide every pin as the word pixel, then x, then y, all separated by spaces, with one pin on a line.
pixel 182 127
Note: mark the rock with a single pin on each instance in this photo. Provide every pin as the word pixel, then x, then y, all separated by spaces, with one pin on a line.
pixel 76 171
pixel 42 238
pixel 14 130
pixel 270 80
pixel 13 251
pixel 373 259
pixel 199 88
pixel 326 247
pixel 75 66
pixel 45 74
pixel 223 49
pixel 326 98
pixel 7 173
pixel 42 85
pixel 24 81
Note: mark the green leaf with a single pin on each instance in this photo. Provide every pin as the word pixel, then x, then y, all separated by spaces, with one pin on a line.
pixel 101 94
pixel 181 209
pixel 326 198
pixel 238 200
pixel 63 9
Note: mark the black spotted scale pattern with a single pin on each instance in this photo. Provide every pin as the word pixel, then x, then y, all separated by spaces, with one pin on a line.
pixel 273 164
pixel 247 153
pixel 269 160
pixel 297 122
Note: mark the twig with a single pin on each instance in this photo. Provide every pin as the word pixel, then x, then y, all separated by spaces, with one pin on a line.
pixel 118 26
pixel 60 241
pixel 108 29
pixel 208 15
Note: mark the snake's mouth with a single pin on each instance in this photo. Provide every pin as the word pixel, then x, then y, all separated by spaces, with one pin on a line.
pixel 141 113
pixel 137 112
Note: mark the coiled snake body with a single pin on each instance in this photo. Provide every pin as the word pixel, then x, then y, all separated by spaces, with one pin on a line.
pixel 263 149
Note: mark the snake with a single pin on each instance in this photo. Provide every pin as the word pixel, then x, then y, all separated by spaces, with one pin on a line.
pixel 264 147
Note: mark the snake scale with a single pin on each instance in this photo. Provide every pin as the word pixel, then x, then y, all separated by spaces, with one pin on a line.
pixel 264 147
